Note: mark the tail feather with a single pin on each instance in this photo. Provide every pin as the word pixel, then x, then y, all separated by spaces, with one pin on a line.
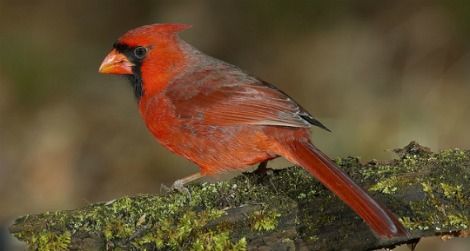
pixel 379 218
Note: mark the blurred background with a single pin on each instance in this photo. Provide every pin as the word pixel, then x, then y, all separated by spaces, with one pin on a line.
pixel 378 73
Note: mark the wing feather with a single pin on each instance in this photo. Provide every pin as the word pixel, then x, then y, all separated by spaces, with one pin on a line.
pixel 228 96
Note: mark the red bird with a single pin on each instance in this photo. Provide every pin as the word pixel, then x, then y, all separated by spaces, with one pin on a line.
pixel 221 118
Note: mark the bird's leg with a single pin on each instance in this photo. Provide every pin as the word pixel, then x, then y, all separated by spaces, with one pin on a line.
pixel 262 168
pixel 179 184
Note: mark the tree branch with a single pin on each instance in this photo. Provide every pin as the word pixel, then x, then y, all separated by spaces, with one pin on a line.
pixel 278 210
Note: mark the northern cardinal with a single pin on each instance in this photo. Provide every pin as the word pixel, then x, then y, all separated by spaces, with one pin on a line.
pixel 221 118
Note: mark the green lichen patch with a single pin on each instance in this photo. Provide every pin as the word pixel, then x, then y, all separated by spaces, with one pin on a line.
pixel 174 234
pixel 218 241
pixel 429 191
pixel 439 199
pixel 46 240
pixel 386 186
pixel 263 220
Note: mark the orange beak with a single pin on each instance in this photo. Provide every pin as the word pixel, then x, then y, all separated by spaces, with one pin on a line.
pixel 116 63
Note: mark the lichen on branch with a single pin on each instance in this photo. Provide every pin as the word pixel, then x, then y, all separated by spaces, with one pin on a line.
pixel 429 192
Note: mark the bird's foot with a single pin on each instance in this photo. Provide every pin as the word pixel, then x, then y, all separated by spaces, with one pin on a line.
pixel 263 173
pixel 262 170
pixel 178 185
pixel 164 189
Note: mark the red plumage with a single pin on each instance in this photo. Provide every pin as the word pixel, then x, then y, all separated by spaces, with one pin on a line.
pixel 221 118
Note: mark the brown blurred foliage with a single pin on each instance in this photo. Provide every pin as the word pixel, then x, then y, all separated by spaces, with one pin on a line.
pixel 378 73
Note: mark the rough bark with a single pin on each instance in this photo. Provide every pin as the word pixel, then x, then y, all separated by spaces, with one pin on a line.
pixel 280 210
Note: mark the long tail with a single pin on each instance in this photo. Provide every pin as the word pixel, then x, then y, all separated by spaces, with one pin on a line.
pixel 379 218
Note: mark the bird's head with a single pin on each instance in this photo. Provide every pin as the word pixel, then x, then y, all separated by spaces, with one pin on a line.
pixel 150 55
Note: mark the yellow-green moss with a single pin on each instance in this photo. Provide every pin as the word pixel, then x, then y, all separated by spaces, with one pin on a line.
pixel 452 191
pixel 45 241
pixel 445 205
pixel 387 186
pixel 218 241
pixel 172 234
pixel 264 220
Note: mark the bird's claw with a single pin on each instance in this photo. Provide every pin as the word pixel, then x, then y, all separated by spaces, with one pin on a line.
pixel 164 189
pixel 178 186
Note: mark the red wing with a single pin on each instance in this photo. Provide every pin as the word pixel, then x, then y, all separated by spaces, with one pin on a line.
pixel 215 98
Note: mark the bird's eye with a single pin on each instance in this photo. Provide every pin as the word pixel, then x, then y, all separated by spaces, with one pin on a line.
pixel 140 52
